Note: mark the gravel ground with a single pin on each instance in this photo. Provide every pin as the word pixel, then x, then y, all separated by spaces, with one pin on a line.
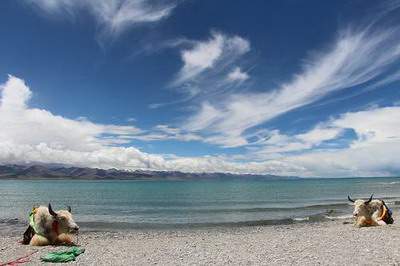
pixel 327 243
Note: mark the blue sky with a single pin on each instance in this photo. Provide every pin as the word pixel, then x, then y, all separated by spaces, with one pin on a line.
pixel 280 87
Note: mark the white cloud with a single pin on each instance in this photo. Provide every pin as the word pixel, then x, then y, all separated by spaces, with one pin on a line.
pixel 374 151
pixel 165 132
pixel 17 119
pixel 205 118
pixel 209 67
pixel 370 160
pixel 114 16
pixel 205 60
pixel 355 58
pixel 201 57
pixel 237 75
pixel 36 135
pixel 320 134
pixel 374 126
pixel 272 144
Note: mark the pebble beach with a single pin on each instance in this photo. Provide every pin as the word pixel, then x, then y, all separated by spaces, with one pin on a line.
pixel 323 243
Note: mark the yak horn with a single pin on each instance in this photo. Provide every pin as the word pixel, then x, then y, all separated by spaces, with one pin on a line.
pixel 53 213
pixel 369 200
pixel 350 199
pixel 69 209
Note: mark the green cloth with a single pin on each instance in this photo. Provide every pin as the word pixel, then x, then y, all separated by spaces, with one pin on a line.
pixel 32 220
pixel 63 256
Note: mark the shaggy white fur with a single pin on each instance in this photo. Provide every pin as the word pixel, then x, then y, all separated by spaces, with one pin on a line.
pixel 52 227
pixel 368 213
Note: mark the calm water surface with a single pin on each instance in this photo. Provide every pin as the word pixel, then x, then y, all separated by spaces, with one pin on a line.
pixel 138 204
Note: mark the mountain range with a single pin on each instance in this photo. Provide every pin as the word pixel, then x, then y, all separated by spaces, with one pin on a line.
pixel 12 171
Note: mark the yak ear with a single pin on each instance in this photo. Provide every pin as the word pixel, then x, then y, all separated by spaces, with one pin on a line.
pixel 53 213
pixel 69 209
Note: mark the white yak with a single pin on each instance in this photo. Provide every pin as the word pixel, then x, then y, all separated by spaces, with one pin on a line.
pixel 48 227
pixel 371 212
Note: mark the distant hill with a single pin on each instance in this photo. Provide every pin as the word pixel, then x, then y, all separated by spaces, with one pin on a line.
pixel 64 172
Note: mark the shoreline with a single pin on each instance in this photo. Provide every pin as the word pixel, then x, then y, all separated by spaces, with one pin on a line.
pixel 15 224
pixel 183 179
pixel 326 243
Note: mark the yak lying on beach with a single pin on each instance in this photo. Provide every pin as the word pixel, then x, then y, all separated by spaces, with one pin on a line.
pixel 371 212
pixel 48 227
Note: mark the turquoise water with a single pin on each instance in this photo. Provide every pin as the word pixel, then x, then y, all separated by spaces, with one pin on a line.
pixel 139 204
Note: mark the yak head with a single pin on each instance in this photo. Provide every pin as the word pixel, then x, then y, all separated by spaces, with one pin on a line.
pixel 66 223
pixel 361 207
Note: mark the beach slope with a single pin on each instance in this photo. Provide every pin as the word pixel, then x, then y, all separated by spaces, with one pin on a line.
pixel 325 243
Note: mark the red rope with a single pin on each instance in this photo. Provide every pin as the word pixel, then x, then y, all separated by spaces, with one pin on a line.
pixel 20 260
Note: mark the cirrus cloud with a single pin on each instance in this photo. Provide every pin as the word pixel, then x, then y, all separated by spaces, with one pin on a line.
pixel 355 58
pixel 113 16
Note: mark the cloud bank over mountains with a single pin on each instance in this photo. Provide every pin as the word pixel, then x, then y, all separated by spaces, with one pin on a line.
pixel 31 135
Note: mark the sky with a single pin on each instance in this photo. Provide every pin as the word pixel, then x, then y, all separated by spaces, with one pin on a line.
pixel 288 87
